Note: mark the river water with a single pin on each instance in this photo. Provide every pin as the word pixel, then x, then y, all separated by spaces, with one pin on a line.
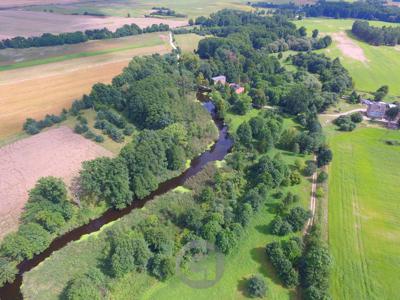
pixel 222 146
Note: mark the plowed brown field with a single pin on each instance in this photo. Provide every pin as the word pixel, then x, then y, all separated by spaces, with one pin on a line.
pixel 57 152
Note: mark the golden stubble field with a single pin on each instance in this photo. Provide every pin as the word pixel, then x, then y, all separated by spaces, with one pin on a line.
pixel 47 89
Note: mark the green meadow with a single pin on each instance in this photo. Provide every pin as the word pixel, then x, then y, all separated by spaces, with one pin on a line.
pixel 383 62
pixel 364 214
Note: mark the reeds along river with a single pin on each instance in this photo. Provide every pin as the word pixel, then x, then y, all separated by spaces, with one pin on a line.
pixel 221 148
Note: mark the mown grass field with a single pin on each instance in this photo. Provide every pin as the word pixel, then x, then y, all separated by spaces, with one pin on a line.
pixel 364 214
pixel 383 62
pixel 48 87
pixel 188 42
pixel 136 8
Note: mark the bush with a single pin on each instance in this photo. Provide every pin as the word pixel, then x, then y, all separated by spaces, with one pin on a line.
pixel 356 117
pixel 297 217
pixel 90 135
pixel 162 267
pixel 129 130
pixel 345 123
pixel 8 270
pixel 310 168
pixel 295 178
pixel 81 128
pixel 99 139
pixel 322 177
pixel 256 286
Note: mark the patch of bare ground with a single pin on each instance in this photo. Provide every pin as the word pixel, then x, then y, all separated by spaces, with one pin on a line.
pixel 348 47
pixel 57 152
pixel 27 23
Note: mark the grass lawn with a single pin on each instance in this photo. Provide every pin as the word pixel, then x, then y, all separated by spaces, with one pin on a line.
pixel 188 42
pixel 383 62
pixel 364 214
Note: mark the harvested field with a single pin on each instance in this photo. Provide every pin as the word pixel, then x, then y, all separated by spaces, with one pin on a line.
pixel 26 23
pixel 348 47
pixel 56 152
pixel 16 58
pixel 48 88
pixel 20 3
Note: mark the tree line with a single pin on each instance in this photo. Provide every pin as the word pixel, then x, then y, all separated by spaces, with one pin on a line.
pixel 49 39
pixel 376 36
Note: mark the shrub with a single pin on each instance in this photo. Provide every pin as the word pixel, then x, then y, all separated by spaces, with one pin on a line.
pixel 99 139
pixel 356 117
pixel 89 135
pixel 256 286
pixel 8 270
pixel 310 168
pixel 129 130
pixel 81 128
pixel 322 177
pixel 297 217
pixel 162 267
pixel 295 178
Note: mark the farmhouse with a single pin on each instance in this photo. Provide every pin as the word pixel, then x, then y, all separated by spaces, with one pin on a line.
pixel 376 110
pixel 219 80
pixel 237 88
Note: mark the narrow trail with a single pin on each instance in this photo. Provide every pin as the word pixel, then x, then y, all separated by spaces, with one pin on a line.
pixel 171 42
pixel 313 202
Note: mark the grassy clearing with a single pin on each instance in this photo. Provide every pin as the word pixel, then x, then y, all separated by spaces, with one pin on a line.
pixel 137 8
pixel 383 62
pixel 188 42
pixel 364 234
pixel 108 143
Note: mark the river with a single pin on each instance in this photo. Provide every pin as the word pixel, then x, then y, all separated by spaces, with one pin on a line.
pixel 222 146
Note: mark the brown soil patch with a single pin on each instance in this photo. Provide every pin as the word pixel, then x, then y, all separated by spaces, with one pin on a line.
pixel 348 47
pixel 26 23
pixel 57 152
pixel 46 89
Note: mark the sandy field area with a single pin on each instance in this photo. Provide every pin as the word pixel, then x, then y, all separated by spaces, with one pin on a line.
pixel 57 152
pixel 26 23
pixel 46 89
pixel 348 47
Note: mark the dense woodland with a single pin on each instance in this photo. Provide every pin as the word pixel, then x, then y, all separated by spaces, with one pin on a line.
pixel 49 39
pixel 367 10
pixel 376 36
pixel 153 95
